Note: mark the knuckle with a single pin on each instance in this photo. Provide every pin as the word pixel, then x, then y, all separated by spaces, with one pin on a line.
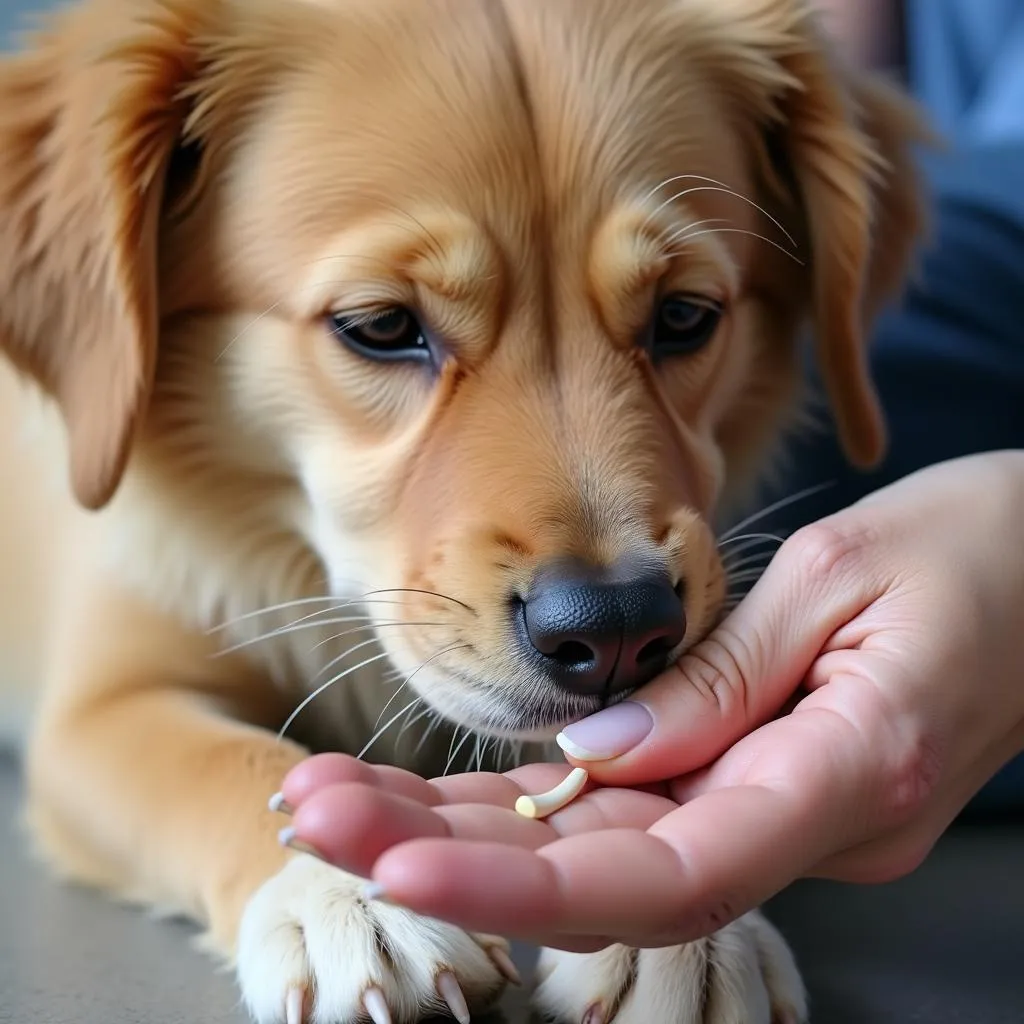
pixel 820 551
pixel 913 775
pixel 717 667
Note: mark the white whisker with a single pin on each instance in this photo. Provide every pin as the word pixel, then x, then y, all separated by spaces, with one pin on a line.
pixel 320 689
pixel 270 609
pixel 252 323
pixel 344 654
pixel 297 627
pixel 679 233
pixel 337 604
pixel 370 625
pixel 436 721
pixel 428 710
pixel 408 680
pixel 751 537
pixel 712 186
pixel 737 231
pixel 764 557
pixel 387 725
pixel 455 753
pixel 748 576
pixel 391 700
pixel 774 507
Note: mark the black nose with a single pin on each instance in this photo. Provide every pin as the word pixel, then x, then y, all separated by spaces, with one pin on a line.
pixel 602 631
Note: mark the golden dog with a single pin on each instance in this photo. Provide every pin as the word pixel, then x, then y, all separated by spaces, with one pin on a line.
pixel 421 333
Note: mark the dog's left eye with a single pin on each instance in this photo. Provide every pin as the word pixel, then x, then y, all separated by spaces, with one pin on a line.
pixel 387 334
pixel 683 324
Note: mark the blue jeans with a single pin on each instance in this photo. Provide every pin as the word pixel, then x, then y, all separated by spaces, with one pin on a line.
pixel 965 63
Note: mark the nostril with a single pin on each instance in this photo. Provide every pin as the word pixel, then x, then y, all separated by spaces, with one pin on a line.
pixel 656 650
pixel 680 589
pixel 601 631
pixel 572 654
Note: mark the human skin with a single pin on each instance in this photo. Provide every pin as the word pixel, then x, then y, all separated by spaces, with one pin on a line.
pixel 896 627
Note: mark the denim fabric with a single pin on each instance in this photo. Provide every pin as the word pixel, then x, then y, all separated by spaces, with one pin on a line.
pixel 965 62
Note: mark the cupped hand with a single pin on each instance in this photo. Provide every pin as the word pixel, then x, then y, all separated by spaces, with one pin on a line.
pixel 899 621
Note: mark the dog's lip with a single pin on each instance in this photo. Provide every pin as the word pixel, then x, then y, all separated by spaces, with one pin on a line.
pixel 496 707
pixel 509 718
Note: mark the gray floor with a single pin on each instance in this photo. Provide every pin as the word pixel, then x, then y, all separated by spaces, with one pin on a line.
pixel 945 946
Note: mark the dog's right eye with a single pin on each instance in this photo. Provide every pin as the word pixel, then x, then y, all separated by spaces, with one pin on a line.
pixel 387 334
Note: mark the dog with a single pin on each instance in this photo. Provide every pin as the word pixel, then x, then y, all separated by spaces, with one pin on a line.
pixel 357 342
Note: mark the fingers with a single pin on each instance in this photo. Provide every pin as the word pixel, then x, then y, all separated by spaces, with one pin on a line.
pixel 740 675
pixel 666 885
pixel 352 824
pixel 323 770
pixel 791 799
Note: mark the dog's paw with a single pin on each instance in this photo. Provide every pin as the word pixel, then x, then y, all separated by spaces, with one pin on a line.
pixel 311 949
pixel 744 974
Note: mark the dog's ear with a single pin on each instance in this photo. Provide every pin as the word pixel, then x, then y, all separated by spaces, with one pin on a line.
pixel 90 117
pixel 848 140
pixel 837 147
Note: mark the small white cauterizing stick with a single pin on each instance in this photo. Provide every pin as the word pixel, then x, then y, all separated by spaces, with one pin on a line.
pixel 564 793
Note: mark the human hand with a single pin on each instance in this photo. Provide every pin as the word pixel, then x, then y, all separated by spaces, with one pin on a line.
pixel 903 618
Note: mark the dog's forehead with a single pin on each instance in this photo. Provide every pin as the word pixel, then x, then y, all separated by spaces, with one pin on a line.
pixel 532 118
pixel 588 96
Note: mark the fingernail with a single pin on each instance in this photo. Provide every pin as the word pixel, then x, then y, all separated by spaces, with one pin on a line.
pixel 375 893
pixel 279 805
pixel 286 837
pixel 609 733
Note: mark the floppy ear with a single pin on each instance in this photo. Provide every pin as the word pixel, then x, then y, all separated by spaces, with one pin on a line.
pixel 90 115
pixel 837 145
pixel 848 140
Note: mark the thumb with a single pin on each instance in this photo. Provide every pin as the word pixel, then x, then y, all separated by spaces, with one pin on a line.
pixel 739 676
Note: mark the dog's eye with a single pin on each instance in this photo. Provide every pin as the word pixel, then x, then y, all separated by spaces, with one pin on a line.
pixel 389 334
pixel 683 324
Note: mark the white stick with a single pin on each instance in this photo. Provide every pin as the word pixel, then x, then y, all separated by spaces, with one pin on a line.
pixel 564 793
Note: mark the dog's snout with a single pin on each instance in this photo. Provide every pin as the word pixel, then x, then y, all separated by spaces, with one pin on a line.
pixel 602 632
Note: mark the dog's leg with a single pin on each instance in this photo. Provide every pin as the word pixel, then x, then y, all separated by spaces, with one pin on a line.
pixel 141 783
pixel 154 795
pixel 743 974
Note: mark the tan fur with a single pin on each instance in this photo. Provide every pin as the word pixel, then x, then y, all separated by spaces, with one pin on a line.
pixel 188 186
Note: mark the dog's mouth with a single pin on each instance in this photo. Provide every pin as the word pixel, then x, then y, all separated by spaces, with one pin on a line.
pixel 521 706
pixel 572 641
pixel 531 710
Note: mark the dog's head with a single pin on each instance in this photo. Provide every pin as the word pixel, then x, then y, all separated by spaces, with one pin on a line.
pixel 492 303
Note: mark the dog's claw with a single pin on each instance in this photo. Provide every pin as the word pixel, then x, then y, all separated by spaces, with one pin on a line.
pixel 449 989
pixel 293 1006
pixel 504 963
pixel 376 1006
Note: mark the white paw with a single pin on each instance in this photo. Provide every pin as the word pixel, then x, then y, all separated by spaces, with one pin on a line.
pixel 744 974
pixel 311 949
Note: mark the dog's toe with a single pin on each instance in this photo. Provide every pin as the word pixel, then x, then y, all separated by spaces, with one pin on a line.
pixel 744 974
pixel 312 950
